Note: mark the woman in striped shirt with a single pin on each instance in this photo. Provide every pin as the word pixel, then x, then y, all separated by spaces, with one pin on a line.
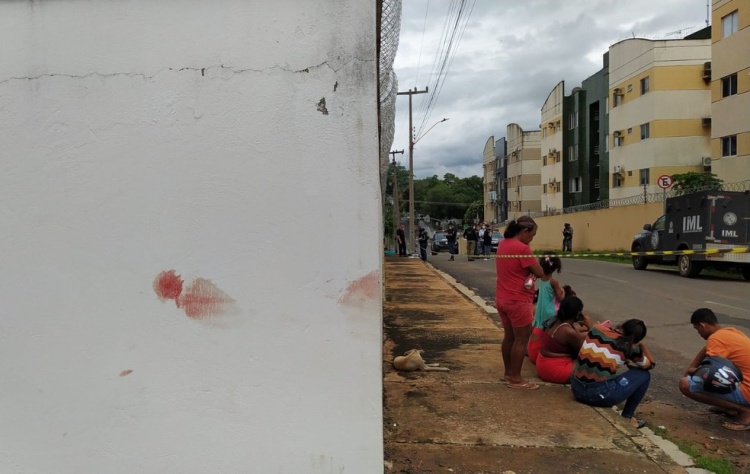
pixel 595 381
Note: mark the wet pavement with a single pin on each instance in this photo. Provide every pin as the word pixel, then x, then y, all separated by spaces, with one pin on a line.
pixel 467 420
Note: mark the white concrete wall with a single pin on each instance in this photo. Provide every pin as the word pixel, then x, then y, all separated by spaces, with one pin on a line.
pixel 141 137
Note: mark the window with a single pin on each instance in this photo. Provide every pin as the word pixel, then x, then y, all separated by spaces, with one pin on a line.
pixel 606 106
pixel 729 85
pixel 630 131
pixel 616 180
pixel 617 142
pixel 572 120
pixel 645 85
pixel 645 176
pixel 557 187
pixel 544 160
pixel 606 143
pixel 576 184
pixel 596 183
pixel 616 100
pixel 729 24
pixel 573 153
pixel 729 145
pixel 544 188
pixel 630 87
pixel 645 131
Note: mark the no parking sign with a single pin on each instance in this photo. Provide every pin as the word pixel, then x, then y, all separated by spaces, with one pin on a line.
pixel 664 181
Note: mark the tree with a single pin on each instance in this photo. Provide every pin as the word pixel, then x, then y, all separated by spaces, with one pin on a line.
pixel 475 211
pixel 685 183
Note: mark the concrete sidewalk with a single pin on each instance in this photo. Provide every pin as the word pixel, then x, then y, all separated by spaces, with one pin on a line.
pixel 467 420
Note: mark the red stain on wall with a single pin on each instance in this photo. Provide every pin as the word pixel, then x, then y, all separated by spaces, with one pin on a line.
pixel 168 285
pixel 361 289
pixel 201 298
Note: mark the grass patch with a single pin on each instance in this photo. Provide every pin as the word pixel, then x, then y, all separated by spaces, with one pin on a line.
pixel 715 464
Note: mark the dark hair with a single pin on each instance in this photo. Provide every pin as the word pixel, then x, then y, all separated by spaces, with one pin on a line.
pixel 703 315
pixel 568 291
pixel 570 309
pixel 633 331
pixel 516 226
pixel 550 265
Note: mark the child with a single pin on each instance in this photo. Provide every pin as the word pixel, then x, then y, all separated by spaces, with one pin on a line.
pixel 550 295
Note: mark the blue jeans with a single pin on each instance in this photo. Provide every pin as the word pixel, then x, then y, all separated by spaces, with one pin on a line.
pixel 630 386
pixel 452 248
pixel 423 253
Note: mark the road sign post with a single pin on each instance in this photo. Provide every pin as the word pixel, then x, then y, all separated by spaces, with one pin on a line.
pixel 665 182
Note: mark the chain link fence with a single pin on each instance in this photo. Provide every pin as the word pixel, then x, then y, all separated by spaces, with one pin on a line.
pixel 390 29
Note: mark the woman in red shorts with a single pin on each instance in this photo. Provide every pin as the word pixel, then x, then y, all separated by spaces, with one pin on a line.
pixel 514 296
pixel 561 341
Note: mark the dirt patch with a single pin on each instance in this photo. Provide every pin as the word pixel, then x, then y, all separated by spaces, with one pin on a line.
pixel 691 423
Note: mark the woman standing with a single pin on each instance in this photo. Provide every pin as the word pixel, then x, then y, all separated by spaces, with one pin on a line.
pixel 515 295
pixel 595 381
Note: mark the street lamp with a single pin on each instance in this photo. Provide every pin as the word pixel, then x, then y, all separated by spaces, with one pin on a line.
pixel 413 141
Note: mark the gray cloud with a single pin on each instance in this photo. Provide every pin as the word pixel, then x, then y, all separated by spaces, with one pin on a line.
pixel 509 59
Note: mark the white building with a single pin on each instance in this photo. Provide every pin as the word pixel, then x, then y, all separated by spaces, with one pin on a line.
pixel 155 317
pixel 551 149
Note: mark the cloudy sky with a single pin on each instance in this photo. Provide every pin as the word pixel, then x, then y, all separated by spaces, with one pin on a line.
pixel 511 55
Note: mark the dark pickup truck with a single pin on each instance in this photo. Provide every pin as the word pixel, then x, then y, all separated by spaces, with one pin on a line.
pixel 699 221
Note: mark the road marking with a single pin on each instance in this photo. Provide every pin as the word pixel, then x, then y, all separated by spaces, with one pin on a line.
pixel 728 306
pixel 612 279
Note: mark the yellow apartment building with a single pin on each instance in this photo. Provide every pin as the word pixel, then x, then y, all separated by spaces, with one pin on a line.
pixel 524 167
pixel 659 112
pixel 729 75
pixel 551 149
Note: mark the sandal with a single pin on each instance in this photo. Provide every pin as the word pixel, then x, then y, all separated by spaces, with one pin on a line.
pixel 524 386
pixel 638 423
pixel 736 426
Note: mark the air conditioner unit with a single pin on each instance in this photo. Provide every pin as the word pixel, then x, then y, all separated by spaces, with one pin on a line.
pixel 706 161
pixel 707 70
pixel 706 121
pixel 618 91
pixel 618 169
pixel 617 133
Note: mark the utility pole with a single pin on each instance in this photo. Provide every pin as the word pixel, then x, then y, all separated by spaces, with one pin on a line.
pixel 396 211
pixel 410 93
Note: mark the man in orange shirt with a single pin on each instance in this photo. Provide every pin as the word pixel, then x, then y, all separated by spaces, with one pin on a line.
pixel 729 343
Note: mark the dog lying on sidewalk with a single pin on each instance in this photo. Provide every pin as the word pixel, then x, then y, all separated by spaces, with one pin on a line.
pixel 412 360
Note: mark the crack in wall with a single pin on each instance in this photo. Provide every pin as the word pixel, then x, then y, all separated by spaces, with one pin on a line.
pixel 201 70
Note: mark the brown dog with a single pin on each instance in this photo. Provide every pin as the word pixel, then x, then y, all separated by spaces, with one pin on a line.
pixel 412 360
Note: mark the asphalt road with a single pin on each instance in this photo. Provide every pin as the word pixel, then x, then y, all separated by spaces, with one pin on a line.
pixel 617 292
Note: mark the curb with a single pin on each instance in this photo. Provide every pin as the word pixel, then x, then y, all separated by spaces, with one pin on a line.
pixel 652 445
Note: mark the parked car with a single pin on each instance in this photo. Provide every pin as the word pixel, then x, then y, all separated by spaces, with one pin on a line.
pixel 439 243
pixel 496 238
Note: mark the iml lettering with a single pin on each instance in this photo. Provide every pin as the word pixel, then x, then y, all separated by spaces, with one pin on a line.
pixel 692 224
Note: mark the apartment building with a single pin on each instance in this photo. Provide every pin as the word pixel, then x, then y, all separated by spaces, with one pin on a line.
pixel 580 175
pixel 596 144
pixel 501 173
pixel 729 75
pixel 551 142
pixel 489 166
pixel 524 168
pixel 659 115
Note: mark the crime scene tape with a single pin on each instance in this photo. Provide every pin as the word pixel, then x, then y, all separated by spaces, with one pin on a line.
pixel 630 254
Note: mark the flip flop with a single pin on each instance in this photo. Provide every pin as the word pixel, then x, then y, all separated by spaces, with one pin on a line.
pixel 734 426
pixel 638 423
pixel 524 386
